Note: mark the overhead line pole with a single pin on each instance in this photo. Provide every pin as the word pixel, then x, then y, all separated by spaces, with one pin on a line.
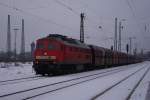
pixel 119 42
pixel 115 37
pixel 8 38
pixel 15 51
pixel 130 39
pixel 82 28
pixel 120 34
pixel 22 52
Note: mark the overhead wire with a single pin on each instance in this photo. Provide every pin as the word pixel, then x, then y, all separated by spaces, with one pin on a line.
pixel 47 20
pixel 72 10
pixel 96 15
pixel 66 6
pixel 133 13
pixel 58 2
pixel 52 22
pixel 87 17
pixel 135 18
pixel 37 16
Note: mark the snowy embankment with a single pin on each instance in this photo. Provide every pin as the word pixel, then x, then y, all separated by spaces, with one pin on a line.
pixel 85 91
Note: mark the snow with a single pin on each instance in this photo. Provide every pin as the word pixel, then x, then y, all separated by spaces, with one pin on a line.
pixel 141 91
pixel 89 89
pixel 84 91
pixel 121 91
pixel 10 71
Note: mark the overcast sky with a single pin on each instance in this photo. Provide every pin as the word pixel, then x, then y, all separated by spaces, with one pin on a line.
pixel 43 17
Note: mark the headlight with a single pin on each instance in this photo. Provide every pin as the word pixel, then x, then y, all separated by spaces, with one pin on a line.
pixel 52 57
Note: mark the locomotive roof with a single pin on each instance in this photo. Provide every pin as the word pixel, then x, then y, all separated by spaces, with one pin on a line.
pixel 107 50
pixel 66 40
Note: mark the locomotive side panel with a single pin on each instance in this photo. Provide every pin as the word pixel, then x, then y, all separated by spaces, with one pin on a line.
pixel 76 55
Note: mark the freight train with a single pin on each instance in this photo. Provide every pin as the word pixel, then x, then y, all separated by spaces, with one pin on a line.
pixel 56 54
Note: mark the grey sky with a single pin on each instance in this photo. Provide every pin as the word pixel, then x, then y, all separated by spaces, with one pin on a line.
pixel 43 17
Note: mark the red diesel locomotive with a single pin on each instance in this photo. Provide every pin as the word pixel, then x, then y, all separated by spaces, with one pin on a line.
pixel 57 54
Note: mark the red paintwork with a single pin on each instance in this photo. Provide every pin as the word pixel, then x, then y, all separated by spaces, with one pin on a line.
pixel 57 52
pixel 64 53
pixel 76 55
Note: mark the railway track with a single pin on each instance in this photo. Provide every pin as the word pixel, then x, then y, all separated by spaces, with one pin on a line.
pixel 50 88
pixel 120 82
pixel 136 85
pixel 19 80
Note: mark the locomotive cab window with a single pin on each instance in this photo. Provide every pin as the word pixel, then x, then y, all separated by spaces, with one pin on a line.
pixel 50 46
pixel 40 46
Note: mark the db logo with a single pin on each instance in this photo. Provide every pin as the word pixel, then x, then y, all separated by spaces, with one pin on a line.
pixel 45 53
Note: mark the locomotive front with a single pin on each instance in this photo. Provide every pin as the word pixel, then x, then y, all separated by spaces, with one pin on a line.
pixel 47 55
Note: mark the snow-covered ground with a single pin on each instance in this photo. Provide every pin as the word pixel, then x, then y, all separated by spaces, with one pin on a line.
pixel 10 71
pixel 84 91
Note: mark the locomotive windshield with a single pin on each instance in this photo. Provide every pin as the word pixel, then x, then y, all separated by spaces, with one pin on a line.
pixel 44 46
pixel 50 46
pixel 40 46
